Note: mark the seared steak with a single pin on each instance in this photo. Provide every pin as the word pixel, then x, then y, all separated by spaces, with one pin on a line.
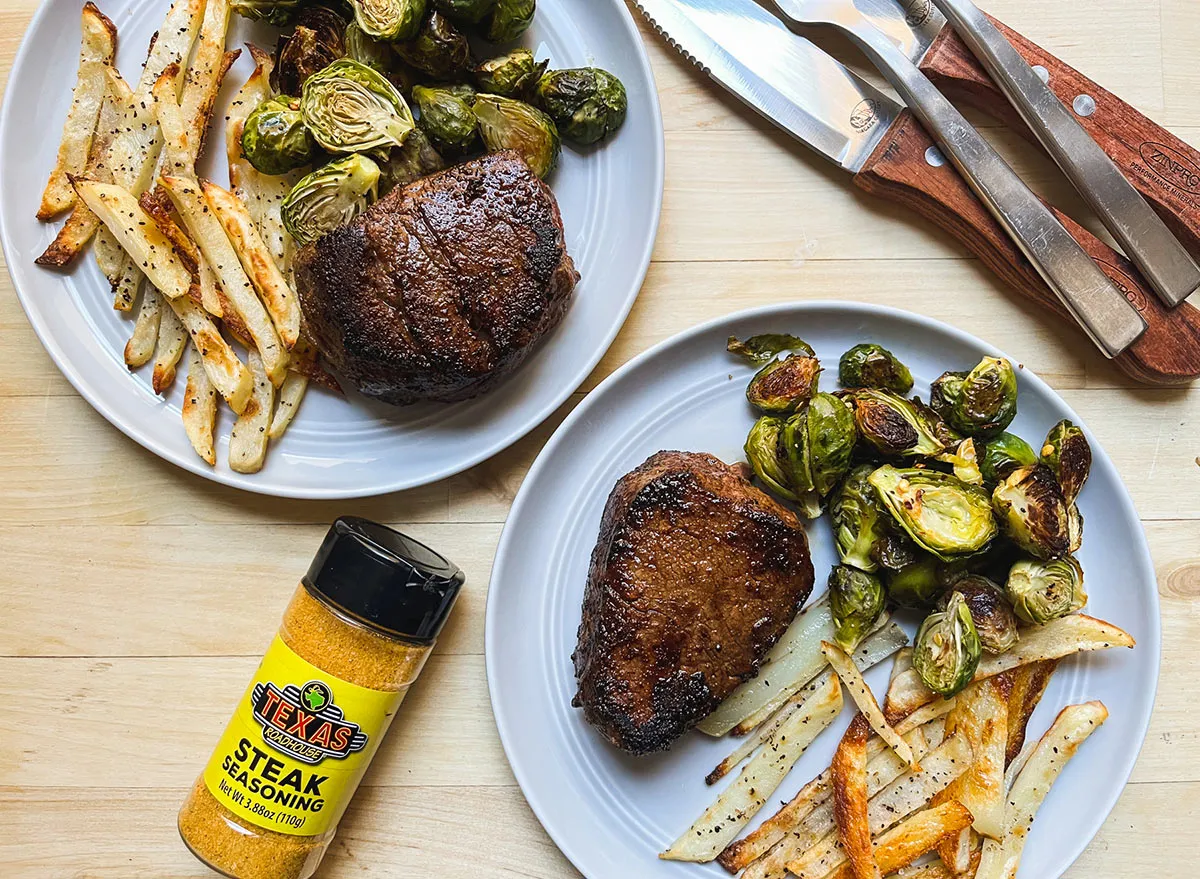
pixel 695 576
pixel 442 287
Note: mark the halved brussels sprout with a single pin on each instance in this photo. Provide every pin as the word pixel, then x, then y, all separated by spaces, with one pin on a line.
pixel 763 451
pixel 783 386
pixel 965 461
pixel 895 551
pixel 831 439
pixel 873 366
pixel 416 159
pixel 506 124
pixel 275 12
pixel 765 347
pixel 856 599
pixel 917 585
pixel 512 75
pixel 465 11
pixel 941 513
pixel 509 19
pixel 447 119
pixel 796 456
pixel 1075 527
pixel 329 197
pixel 893 425
pixel 439 49
pixel 1042 592
pixel 365 49
pixel 275 139
pixel 349 107
pixel 316 43
pixel 1002 454
pixel 980 403
pixel 859 522
pixel 1067 453
pixel 994 619
pixel 587 103
pixel 1033 512
pixel 947 650
pixel 390 20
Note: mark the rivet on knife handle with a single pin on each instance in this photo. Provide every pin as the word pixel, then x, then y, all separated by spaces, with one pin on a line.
pixel 1164 262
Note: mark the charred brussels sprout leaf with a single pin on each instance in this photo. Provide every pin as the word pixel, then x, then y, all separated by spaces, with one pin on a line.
pixel 917 585
pixel 893 425
pixel 763 452
pixel 316 43
pixel 349 107
pixel 1002 455
pixel 856 599
pixel 275 12
pixel 873 366
pixel 1067 453
pixel 895 552
pixel 506 124
pixel 941 513
pixel 831 439
pixel 994 619
pixel 947 650
pixel 465 11
pixel 275 139
pixel 858 520
pixel 979 403
pixel 417 158
pixel 784 386
pixel 1042 592
pixel 1033 513
pixel 439 49
pixel 587 103
pixel 764 348
pixel 329 197
pixel 965 461
pixel 365 49
pixel 513 75
pixel 447 119
pixel 390 20
pixel 509 19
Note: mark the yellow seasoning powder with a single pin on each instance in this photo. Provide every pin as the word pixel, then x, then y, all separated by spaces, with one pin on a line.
pixel 353 639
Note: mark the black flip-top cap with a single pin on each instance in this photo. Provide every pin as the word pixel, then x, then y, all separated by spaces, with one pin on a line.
pixel 385 579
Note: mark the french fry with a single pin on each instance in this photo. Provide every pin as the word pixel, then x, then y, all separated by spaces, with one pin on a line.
pixel 1071 728
pixel 277 295
pixel 138 234
pixel 98 48
pixel 739 802
pixel 208 294
pixel 1029 684
pixel 1077 633
pixel 229 375
pixel 248 440
pixel 140 347
pixel 905 843
pixel 177 154
pixel 862 696
pixel 210 63
pixel 850 798
pixel 291 392
pixel 200 408
pixel 172 339
pixel 109 257
pixel 219 253
pixel 305 359
pixel 158 207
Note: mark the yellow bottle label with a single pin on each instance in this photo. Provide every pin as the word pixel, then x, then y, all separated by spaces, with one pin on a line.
pixel 297 746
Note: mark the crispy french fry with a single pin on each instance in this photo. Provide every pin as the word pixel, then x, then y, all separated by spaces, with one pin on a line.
pixel 739 802
pixel 905 843
pixel 305 359
pixel 177 157
pixel 1029 684
pixel 277 295
pixel 248 440
pixel 140 347
pixel 200 408
pixel 158 207
pixel 862 696
pixel 109 257
pixel 219 253
pixel 207 294
pixel 255 90
pixel 291 392
pixel 172 339
pixel 228 374
pixel 850 798
pixel 981 716
pixel 208 68
pixel 99 47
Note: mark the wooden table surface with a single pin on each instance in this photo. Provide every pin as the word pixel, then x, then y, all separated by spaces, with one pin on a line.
pixel 124 580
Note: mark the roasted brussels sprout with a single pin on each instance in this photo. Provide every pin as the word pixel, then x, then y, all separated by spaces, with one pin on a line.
pixel 856 599
pixel 513 75
pixel 275 139
pixel 1002 454
pixel 979 403
pixel 941 513
pixel 317 42
pixel 1074 528
pixel 859 522
pixel 330 196
pixel 349 107
pixel 439 49
pixel 390 20
pixel 1067 453
pixel 415 159
pixel 587 103
pixel 784 386
pixel 917 585
pixel 873 366
pixel 365 49
pixel 275 12
pixel 965 461
pixel 994 619
pixel 506 124
pixel 763 451
pixel 509 19
pixel 893 425
pixel 447 119
pixel 895 551
pixel 1041 592
pixel 831 439
pixel 1033 513
pixel 764 348
pixel 947 650
pixel 464 11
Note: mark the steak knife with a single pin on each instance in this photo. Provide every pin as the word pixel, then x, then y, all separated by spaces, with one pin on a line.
pixel 1164 169
pixel 805 92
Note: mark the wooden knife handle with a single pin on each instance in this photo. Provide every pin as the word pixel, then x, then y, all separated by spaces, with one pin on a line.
pixel 1161 166
pixel 1168 353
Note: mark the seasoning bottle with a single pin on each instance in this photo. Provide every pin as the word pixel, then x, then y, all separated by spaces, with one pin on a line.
pixel 353 639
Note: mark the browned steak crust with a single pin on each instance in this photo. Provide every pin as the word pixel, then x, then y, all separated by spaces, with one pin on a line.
pixel 443 287
pixel 695 576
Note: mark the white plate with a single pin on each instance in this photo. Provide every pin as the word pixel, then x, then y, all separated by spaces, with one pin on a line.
pixel 610 199
pixel 611 814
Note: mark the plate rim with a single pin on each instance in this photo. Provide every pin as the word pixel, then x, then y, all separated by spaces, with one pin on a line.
pixel 1151 642
pixel 192 464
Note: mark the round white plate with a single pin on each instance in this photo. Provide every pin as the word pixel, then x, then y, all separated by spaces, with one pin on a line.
pixel 611 814
pixel 610 198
